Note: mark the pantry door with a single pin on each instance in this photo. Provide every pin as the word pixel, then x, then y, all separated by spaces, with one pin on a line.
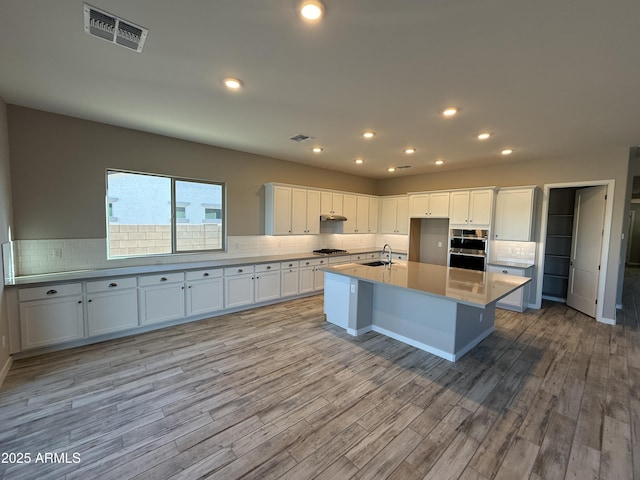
pixel 586 249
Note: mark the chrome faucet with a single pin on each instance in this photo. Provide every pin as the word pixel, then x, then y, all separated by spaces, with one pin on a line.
pixel 386 245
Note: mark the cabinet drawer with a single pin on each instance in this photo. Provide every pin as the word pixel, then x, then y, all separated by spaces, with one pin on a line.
pixel 111 284
pixel 266 267
pixel 161 279
pixel 292 264
pixel 314 262
pixel 51 291
pixel 241 270
pixel 506 270
pixel 204 274
pixel 339 259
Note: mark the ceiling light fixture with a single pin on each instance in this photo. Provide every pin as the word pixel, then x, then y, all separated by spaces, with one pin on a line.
pixel 450 111
pixel 369 134
pixel 506 151
pixel 439 162
pixel 391 169
pixel 311 10
pixel 359 161
pixel 316 149
pixel 484 136
pixel 409 150
pixel 232 83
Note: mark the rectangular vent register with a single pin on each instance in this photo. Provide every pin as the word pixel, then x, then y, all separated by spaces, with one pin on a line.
pixel 114 29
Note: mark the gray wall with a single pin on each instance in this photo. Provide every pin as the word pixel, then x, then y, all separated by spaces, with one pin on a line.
pixel 59 163
pixel 5 222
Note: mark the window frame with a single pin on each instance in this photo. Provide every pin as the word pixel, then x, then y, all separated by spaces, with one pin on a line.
pixel 173 218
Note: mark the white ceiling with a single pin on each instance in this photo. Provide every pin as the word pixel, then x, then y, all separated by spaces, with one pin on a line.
pixel 549 78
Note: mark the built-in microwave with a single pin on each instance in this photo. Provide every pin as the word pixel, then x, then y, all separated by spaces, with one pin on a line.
pixel 468 248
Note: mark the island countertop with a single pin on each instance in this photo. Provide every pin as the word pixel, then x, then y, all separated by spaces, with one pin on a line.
pixel 471 287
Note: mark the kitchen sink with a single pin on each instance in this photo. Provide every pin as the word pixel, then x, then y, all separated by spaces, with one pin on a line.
pixel 377 263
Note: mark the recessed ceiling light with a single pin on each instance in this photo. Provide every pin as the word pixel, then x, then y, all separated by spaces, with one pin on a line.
pixel 391 169
pixel 359 161
pixel 449 111
pixel 311 10
pixel 409 150
pixel 484 136
pixel 506 151
pixel 316 149
pixel 232 83
pixel 369 134
pixel 439 162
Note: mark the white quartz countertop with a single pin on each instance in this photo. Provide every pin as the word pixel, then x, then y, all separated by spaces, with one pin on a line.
pixel 80 275
pixel 510 263
pixel 470 287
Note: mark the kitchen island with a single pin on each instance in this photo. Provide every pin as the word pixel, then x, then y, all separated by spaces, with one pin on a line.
pixel 444 311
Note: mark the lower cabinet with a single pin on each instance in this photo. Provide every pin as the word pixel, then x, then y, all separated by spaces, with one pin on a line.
pixel 161 297
pixel 112 305
pixel 311 277
pixel 204 291
pixel 267 282
pixel 519 299
pixel 289 278
pixel 50 315
pixel 238 286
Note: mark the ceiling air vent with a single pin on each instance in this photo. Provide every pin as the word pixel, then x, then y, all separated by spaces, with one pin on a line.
pixel 403 166
pixel 114 29
pixel 301 138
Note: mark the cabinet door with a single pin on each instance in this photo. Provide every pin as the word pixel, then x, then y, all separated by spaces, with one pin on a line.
pixel 161 303
pixel 289 281
pixel 267 286
pixel 313 212
pixel 318 279
pixel 238 290
pixel 514 215
pixel 281 210
pixel 331 203
pixel 388 218
pixel 349 210
pixel 373 215
pixel 419 205
pixel 439 205
pixel 402 216
pixel 480 207
pixel 307 279
pixel 298 211
pixel 112 311
pixel 205 296
pixel 362 215
pixel 459 208
pixel 515 300
pixel 47 322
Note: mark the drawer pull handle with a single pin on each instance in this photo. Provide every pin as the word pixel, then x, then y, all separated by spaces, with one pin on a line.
pixel 113 285
pixel 240 270
pixel 291 264
pixel 269 267
pixel 52 292
pixel 505 271
pixel 205 274
pixel 163 279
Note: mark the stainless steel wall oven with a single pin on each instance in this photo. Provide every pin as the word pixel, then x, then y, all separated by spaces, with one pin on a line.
pixel 468 248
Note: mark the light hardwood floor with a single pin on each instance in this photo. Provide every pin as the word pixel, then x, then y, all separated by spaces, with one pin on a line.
pixel 277 392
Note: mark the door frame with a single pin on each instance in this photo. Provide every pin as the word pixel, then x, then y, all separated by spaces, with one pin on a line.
pixel 606 240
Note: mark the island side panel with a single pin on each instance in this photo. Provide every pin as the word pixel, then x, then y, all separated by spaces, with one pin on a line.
pixel 336 299
pixel 420 320
pixel 360 307
pixel 473 324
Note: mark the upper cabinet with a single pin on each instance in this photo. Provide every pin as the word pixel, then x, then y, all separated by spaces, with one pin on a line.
pixel 514 214
pixel 291 210
pixel 431 205
pixel 331 203
pixel 358 210
pixel 395 215
pixel 374 204
pixel 471 208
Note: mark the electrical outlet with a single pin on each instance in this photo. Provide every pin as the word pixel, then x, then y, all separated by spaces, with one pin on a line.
pixel 439 244
pixel 4 342
pixel 57 252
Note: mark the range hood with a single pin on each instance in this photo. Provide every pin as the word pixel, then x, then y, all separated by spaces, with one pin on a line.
pixel 332 217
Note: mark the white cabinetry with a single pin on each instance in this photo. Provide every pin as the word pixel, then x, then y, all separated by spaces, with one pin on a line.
pixel 267 282
pixel 161 297
pixel 350 210
pixel 289 278
pixel 277 210
pixel 471 208
pixel 374 202
pixel 204 291
pixel 519 299
pixel 514 214
pixel 305 211
pixel 363 257
pixel 238 286
pixel 395 215
pixel 50 315
pixel 331 203
pixel 311 278
pixel 112 305
pixel 357 209
pixel 431 205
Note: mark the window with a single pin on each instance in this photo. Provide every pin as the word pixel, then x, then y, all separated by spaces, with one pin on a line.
pixel 156 215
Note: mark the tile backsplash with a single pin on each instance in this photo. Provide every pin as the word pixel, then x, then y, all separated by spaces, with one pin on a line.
pixel 33 257
pixel 513 251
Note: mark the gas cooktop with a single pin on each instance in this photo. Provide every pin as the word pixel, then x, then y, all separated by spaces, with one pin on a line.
pixel 329 251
